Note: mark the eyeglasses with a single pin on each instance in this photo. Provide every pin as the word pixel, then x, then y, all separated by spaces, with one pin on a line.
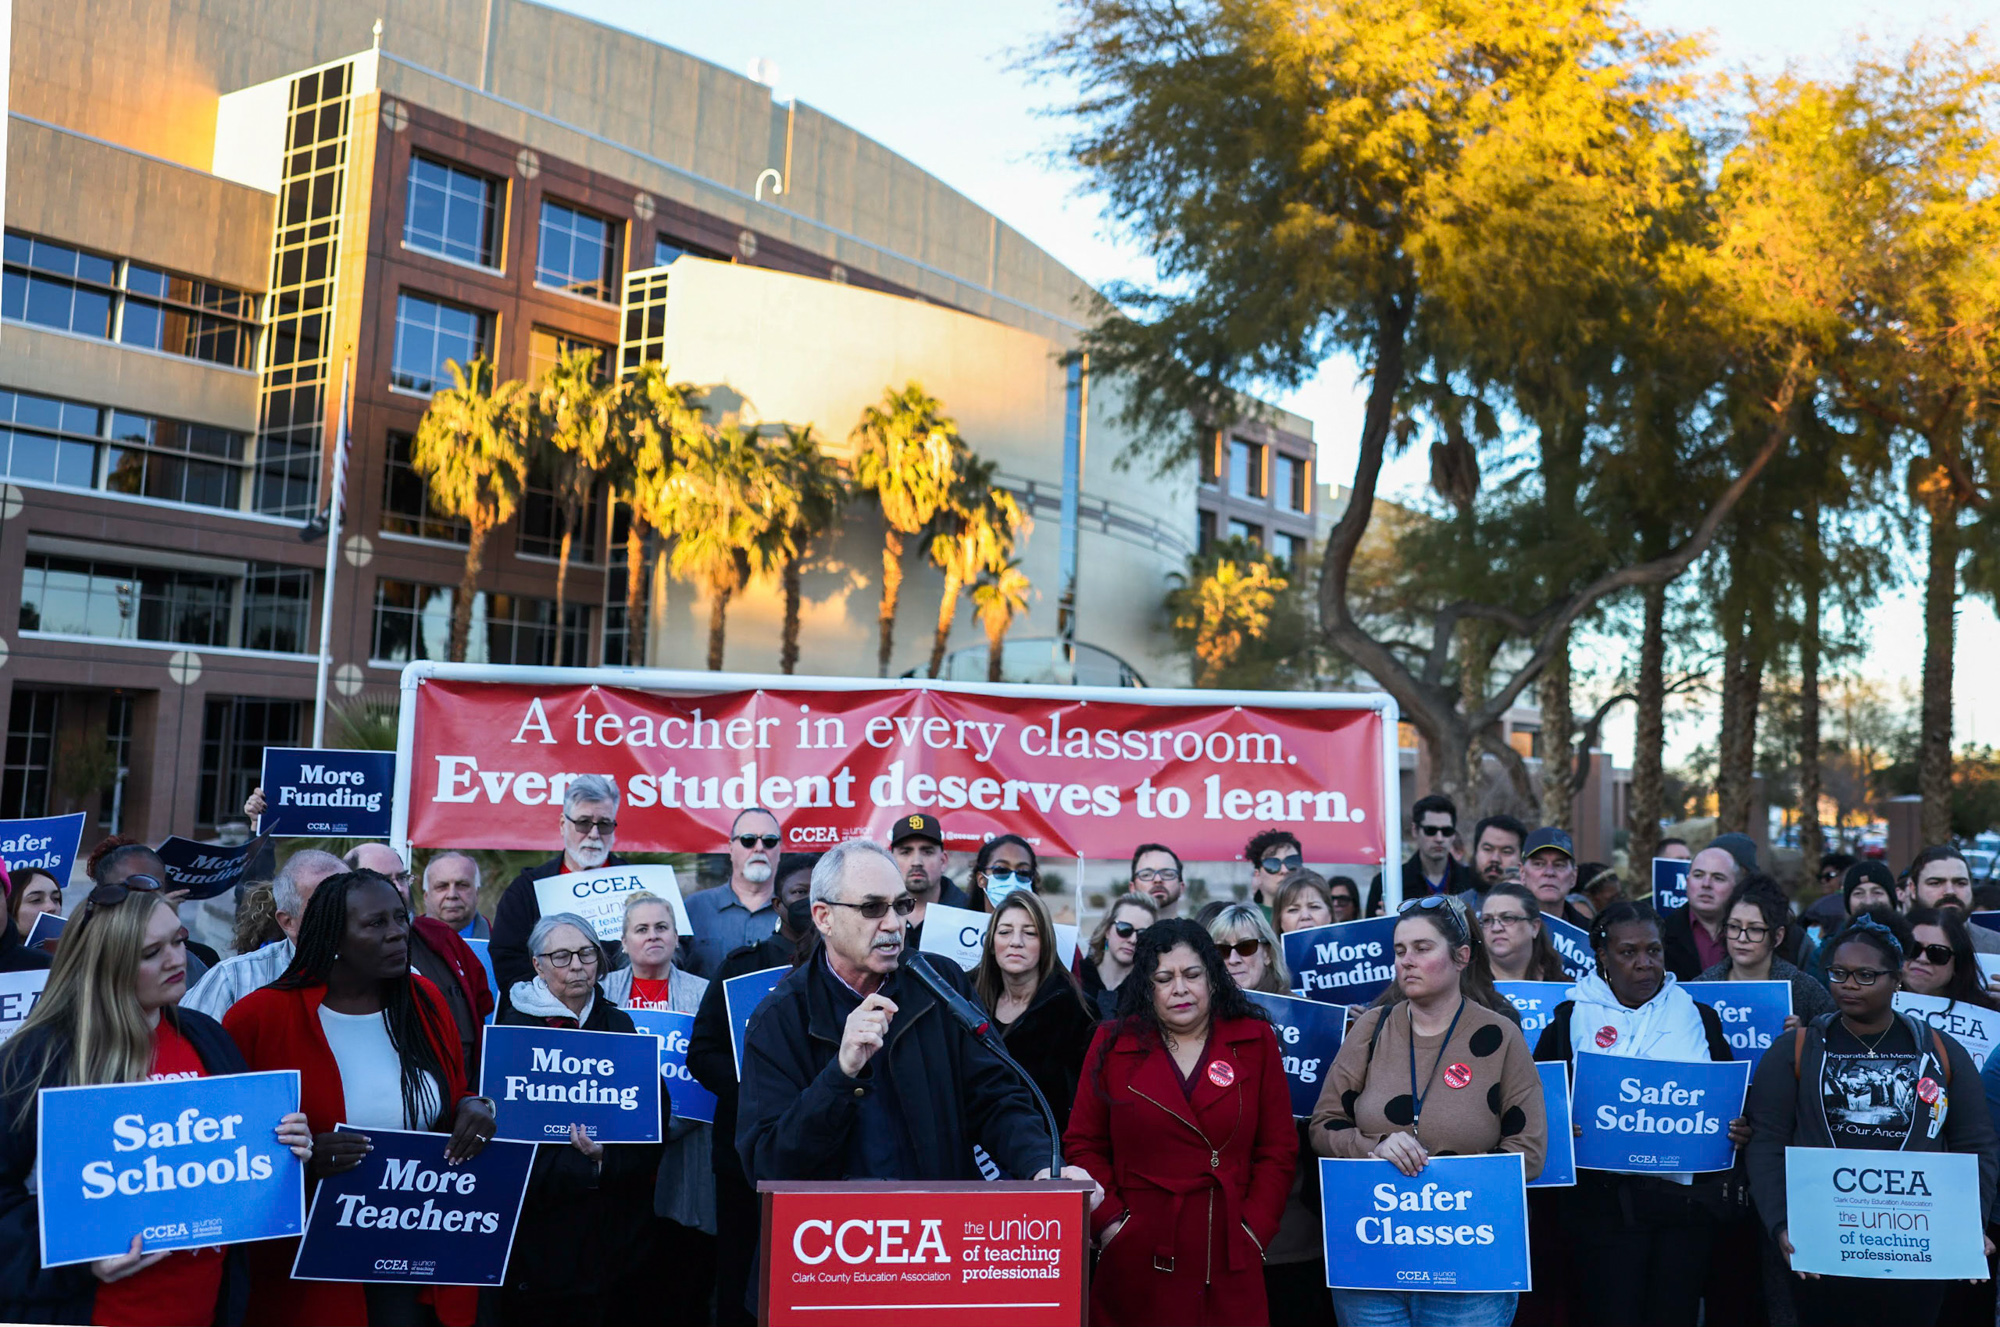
pixel 1277 864
pixel 110 896
pixel 588 825
pixel 1011 877
pixel 1828 877
pixel 1738 931
pixel 1125 930
pixel 752 840
pixel 875 909
pixel 1438 831
pixel 1242 948
pixel 1166 876
pixel 1939 955
pixel 562 958
pixel 1493 921
pixel 1860 976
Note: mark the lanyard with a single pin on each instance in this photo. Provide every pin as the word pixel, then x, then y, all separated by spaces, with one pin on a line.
pixel 1416 1097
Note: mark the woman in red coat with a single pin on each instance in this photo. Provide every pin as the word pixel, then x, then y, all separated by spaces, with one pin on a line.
pixel 1184 1117
pixel 375 1047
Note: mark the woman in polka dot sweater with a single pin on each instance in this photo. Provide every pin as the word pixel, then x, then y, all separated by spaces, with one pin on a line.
pixel 1432 1073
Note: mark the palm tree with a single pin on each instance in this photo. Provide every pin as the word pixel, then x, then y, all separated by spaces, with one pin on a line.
pixel 575 412
pixel 976 533
pixel 907 453
pixel 1221 605
pixel 653 413
pixel 818 492
pixel 1000 596
pixel 729 516
pixel 473 448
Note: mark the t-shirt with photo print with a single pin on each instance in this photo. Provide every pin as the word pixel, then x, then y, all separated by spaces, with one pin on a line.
pixel 1870 1098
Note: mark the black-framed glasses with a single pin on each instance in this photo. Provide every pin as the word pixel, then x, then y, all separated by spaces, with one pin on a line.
pixel 593 824
pixel 758 840
pixel 1738 931
pixel 1126 930
pixel 1012 877
pixel 1240 948
pixel 1166 875
pixel 110 896
pixel 875 909
pixel 562 958
pixel 1289 862
pixel 1860 976
pixel 1939 955
pixel 1438 831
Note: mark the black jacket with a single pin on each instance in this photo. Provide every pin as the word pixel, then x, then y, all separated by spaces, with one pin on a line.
pixel 711 1056
pixel 30 1293
pixel 1101 998
pixel 582 1224
pixel 1050 1039
pixel 516 915
pixel 1677 937
pixel 1458 879
pixel 798 1110
pixel 15 956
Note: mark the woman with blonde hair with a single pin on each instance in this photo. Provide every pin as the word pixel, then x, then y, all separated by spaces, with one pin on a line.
pixel 1112 944
pixel 1038 1009
pixel 109 1014
pixel 1250 949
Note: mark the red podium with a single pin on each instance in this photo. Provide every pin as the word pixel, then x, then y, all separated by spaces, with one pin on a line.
pixel 963 1253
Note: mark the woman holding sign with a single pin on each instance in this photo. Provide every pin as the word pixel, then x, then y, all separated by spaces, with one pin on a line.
pixel 1433 1073
pixel 1868 1078
pixel 1037 1007
pixel 375 1047
pixel 1641 1242
pixel 109 1014
pixel 584 1223
pixel 31 892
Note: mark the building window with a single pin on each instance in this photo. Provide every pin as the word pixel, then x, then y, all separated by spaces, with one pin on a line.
pixel 45 440
pixel 234 732
pixel 168 605
pixel 1248 533
pixel 406 500
pixel 541 525
pixel 117 745
pixel 577 252
pixel 414 622
pixel 71 290
pixel 1285 549
pixel 1288 482
pixel 1204 530
pixel 429 332
pixel 546 346
pixel 452 211
pixel 1246 469
pixel 31 749
pixel 617 633
pixel 1211 461
pixel 666 248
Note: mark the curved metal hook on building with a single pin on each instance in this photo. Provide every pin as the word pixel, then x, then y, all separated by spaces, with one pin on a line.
pixel 777 182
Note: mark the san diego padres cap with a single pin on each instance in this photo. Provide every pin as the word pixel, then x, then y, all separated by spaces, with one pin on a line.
pixel 917 825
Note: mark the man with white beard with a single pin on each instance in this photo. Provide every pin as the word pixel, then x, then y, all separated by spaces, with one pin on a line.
pixel 589 825
pixel 744 911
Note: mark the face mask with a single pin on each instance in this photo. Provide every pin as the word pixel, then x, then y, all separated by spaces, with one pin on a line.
pixel 996 890
pixel 799 916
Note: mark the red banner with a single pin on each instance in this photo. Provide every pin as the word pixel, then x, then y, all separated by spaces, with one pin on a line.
pixel 974 1254
pixel 1094 778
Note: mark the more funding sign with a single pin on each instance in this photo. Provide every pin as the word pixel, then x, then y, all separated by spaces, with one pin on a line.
pixel 958 1255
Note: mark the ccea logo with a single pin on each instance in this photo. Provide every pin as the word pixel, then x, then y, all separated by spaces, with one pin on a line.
pixel 171 1230
pixel 1850 1179
pixel 392 1265
pixel 815 834
pixel 860 1241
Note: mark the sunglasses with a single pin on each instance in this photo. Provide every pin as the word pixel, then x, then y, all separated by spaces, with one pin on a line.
pixel 110 896
pixel 758 840
pixel 587 825
pixel 1242 948
pixel 1939 955
pixel 1439 831
pixel 1438 903
pixel 1011 877
pixel 875 909
pixel 1125 930
pixel 1276 864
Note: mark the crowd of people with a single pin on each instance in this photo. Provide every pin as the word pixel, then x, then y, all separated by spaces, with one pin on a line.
pixel 1163 1078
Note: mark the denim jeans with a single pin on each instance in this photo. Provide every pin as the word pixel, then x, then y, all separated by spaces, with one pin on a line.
pixel 1422 1308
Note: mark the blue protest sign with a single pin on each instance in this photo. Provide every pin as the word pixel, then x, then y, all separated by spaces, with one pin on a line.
pixel 482 950
pixel 47 843
pixel 1753 1013
pixel 187 1162
pixel 1990 920
pixel 1345 963
pixel 1890 1216
pixel 1461 1224
pixel 1309 1036
pixel 310 793
pixel 1536 1001
pixel 43 934
pixel 403 1214
pixel 543 1080
pixel 1572 945
pixel 204 870
pixel 1670 883
pixel 691 1101
pixel 1559 1165
pixel 741 995
pixel 1656 1116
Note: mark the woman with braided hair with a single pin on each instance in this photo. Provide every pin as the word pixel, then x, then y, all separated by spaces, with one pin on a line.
pixel 375 1047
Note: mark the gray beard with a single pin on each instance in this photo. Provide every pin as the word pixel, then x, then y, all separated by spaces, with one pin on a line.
pixel 757 873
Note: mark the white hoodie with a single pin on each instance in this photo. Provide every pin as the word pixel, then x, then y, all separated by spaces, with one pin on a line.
pixel 1666 1027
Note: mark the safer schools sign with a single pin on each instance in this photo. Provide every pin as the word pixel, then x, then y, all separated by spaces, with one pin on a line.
pixel 1073 776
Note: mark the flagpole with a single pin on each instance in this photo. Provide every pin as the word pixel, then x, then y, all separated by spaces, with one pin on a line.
pixel 333 513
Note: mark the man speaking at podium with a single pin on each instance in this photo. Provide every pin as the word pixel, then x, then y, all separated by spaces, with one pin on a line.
pixel 854 1070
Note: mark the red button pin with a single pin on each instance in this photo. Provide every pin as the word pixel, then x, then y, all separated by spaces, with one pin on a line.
pixel 1607 1036
pixel 1220 1074
pixel 1927 1089
pixel 1457 1075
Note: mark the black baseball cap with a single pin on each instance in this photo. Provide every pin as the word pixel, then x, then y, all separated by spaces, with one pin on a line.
pixel 1548 836
pixel 917 825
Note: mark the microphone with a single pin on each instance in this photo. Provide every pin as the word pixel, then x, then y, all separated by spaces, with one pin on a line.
pixel 976 1022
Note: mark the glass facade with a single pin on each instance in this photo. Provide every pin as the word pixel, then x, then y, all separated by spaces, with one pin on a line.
pixel 1288 482
pixel 264 609
pixel 666 248
pixel 71 290
pixel 234 732
pixel 46 440
pixel 429 332
pixel 452 211
pixel 1246 469
pixel 546 346
pixel 414 622
pixel 406 500
pixel 541 524
pixel 578 251
pixel 31 750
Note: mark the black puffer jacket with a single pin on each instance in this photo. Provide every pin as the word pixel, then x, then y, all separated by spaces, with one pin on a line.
pixel 1050 1039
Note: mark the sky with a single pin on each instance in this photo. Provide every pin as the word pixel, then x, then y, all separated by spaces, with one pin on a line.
pixel 938 82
